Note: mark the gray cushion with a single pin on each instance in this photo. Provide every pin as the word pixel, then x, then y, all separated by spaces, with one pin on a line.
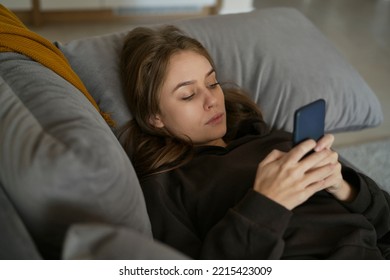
pixel 277 54
pixel 15 242
pixel 60 162
pixel 107 242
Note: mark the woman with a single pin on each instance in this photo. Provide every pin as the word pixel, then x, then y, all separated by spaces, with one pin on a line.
pixel 219 183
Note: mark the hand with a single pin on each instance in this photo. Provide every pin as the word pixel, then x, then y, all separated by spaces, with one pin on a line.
pixel 339 187
pixel 343 192
pixel 289 179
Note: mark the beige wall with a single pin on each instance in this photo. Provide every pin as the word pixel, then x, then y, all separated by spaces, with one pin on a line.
pixel 96 4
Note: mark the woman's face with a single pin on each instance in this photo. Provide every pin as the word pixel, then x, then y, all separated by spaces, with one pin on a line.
pixel 191 101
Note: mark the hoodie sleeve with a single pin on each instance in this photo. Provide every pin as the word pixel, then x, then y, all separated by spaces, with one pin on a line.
pixel 372 202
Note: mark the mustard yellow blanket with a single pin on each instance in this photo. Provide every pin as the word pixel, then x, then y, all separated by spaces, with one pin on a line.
pixel 16 37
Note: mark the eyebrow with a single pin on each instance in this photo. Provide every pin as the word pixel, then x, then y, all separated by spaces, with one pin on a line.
pixel 187 83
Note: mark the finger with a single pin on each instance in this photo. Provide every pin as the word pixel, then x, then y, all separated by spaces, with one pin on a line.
pixel 271 157
pixel 332 158
pixel 321 174
pixel 318 159
pixel 310 190
pixel 335 178
pixel 315 187
pixel 325 142
pixel 299 151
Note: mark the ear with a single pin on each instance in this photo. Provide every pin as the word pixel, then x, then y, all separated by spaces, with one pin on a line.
pixel 156 121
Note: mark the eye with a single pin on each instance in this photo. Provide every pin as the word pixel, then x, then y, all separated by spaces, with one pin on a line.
pixel 213 85
pixel 188 98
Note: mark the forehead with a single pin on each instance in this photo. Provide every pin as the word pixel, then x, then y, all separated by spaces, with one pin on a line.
pixel 185 64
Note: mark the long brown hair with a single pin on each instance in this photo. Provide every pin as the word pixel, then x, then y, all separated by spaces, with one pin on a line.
pixel 144 60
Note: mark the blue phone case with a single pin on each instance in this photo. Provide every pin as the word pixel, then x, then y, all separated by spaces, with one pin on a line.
pixel 309 122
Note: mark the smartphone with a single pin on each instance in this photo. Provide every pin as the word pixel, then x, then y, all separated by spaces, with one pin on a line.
pixel 309 122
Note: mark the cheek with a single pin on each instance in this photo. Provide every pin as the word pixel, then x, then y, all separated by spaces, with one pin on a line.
pixel 221 96
pixel 188 117
pixel 181 117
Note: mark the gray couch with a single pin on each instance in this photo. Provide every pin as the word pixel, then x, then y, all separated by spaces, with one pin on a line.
pixel 67 188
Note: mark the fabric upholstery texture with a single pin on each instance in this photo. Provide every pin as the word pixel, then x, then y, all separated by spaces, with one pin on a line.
pixel 102 241
pixel 15 241
pixel 16 37
pixel 60 162
pixel 278 55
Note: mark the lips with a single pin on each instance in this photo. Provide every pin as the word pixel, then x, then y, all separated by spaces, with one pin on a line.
pixel 216 119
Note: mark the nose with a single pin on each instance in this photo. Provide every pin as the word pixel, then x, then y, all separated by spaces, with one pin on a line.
pixel 210 101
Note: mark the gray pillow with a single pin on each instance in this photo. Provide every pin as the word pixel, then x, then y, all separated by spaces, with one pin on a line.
pixel 60 163
pixel 277 54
